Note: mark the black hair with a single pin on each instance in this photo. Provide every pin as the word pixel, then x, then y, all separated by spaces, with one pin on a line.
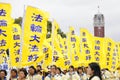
pixel 59 69
pixel 4 72
pixel 71 67
pixel 96 68
pixel 14 71
pixel 81 68
pixel 34 69
pixel 53 66
pixel 39 66
pixel 24 71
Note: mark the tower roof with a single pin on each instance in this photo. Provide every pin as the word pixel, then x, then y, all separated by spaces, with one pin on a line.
pixel 98 19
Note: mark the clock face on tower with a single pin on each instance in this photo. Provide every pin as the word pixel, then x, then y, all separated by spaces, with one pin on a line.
pixel 99 20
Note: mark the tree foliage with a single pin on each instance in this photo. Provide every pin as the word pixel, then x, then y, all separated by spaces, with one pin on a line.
pixel 18 21
pixel 49 30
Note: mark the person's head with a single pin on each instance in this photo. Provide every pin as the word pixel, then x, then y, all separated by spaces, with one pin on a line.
pixel 85 69
pixel 94 70
pixel 38 67
pixel 71 68
pixel 32 70
pixel 13 73
pixel 39 72
pixel 58 70
pixel 107 69
pixel 64 72
pixel 3 73
pixel 22 73
pixel 53 69
pixel 80 70
pixel 118 68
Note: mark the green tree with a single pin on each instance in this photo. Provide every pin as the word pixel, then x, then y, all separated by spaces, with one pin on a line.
pixel 18 21
pixel 49 31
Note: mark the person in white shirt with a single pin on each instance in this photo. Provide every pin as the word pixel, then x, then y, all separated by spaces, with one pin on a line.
pixel 22 74
pixel 33 74
pixel 82 75
pixel 72 75
pixel 117 74
pixel 59 75
pixel 106 74
pixel 51 75
pixel 13 74
pixel 94 71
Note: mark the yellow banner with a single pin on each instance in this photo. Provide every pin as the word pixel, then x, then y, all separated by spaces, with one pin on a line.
pixel 5 24
pixel 115 57
pixel 5 14
pixel 119 54
pixel 47 51
pixel 75 42
pixel 99 55
pixel 108 49
pixel 34 34
pixel 66 55
pixel 15 45
pixel 86 45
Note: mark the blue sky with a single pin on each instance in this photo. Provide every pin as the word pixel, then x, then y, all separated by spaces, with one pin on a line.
pixel 77 13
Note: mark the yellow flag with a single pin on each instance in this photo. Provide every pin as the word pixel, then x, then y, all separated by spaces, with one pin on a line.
pixel 99 54
pixel 115 57
pixel 108 49
pixel 66 54
pixel 15 45
pixel 47 51
pixel 34 34
pixel 71 43
pixel 74 44
pixel 86 45
pixel 118 54
pixel 5 14
pixel 5 24
pixel 58 50
pixel 72 30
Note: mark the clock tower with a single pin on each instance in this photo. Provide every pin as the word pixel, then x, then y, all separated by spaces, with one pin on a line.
pixel 99 25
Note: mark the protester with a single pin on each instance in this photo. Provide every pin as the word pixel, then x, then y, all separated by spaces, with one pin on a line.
pixel 59 75
pixel 33 74
pixel 39 72
pixel 3 74
pixel 94 71
pixel 51 75
pixel 64 72
pixel 13 74
pixel 82 75
pixel 72 75
pixel 22 74
pixel 39 68
pixel 117 74
pixel 106 74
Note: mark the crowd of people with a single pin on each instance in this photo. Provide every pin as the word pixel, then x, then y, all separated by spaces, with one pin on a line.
pixel 92 72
